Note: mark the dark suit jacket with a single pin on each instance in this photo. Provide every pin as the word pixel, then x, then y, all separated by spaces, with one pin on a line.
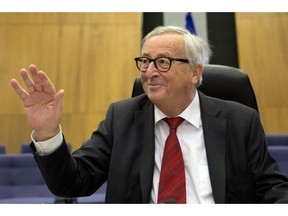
pixel 121 151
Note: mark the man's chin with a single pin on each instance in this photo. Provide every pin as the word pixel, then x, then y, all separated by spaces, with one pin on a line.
pixel 155 96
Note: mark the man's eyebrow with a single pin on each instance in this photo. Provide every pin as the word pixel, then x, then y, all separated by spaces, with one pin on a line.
pixel 145 55
pixel 159 55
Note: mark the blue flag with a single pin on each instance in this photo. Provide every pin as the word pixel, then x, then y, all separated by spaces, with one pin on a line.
pixel 190 24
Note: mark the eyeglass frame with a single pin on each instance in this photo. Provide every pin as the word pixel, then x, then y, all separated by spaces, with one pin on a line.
pixel 155 62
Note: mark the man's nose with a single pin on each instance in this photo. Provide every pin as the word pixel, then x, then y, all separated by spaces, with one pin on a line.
pixel 152 70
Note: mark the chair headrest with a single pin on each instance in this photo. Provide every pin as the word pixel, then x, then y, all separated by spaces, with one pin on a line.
pixel 222 82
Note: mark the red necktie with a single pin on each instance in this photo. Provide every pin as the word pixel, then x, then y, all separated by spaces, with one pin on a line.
pixel 172 187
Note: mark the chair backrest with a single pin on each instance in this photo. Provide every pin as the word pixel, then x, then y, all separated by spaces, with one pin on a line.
pixel 25 148
pixel 222 82
pixel 280 154
pixel 277 140
pixel 2 149
pixel 20 177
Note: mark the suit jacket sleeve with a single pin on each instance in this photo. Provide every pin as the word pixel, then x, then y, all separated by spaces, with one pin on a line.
pixel 83 172
pixel 121 150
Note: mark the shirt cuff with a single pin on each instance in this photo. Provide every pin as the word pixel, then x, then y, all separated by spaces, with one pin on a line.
pixel 48 146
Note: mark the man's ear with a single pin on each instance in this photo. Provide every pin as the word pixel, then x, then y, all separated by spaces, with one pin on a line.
pixel 197 73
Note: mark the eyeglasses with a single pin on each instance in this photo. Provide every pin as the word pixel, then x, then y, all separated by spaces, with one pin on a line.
pixel 163 64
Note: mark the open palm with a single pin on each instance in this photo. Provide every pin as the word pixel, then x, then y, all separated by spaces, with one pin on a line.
pixel 43 105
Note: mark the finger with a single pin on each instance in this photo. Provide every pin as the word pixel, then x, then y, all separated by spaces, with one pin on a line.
pixel 36 80
pixel 59 99
pixel 41 80
pixel 28 81
pixel 47 85
pixel 18 89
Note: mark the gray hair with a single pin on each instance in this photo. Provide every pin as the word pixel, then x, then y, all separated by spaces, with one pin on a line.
pixel 196 48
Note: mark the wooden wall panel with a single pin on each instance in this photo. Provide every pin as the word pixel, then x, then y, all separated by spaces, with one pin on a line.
pixel 263 54
pixel 89 55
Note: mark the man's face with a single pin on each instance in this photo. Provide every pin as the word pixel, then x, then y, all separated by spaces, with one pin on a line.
pixel 177 85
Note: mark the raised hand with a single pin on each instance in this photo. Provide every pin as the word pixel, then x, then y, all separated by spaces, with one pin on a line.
pixel 43 105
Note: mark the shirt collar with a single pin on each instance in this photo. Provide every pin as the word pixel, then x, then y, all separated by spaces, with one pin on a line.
pixel 190 114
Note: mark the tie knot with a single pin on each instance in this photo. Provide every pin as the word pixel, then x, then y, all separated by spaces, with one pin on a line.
pixel 174 122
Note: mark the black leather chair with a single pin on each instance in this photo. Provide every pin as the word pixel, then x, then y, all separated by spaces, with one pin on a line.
pixel 222 82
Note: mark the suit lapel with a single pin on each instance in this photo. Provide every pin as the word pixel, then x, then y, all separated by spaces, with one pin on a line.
pixel 145 139
pixel 214 129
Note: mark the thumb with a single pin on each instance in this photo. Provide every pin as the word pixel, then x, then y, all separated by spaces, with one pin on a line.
pixel 59 99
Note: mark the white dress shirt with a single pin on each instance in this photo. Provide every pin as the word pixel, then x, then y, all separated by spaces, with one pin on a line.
pixel 190 135
pixel 191 139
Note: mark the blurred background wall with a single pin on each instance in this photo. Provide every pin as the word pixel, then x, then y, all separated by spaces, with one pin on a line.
pixel 91 57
